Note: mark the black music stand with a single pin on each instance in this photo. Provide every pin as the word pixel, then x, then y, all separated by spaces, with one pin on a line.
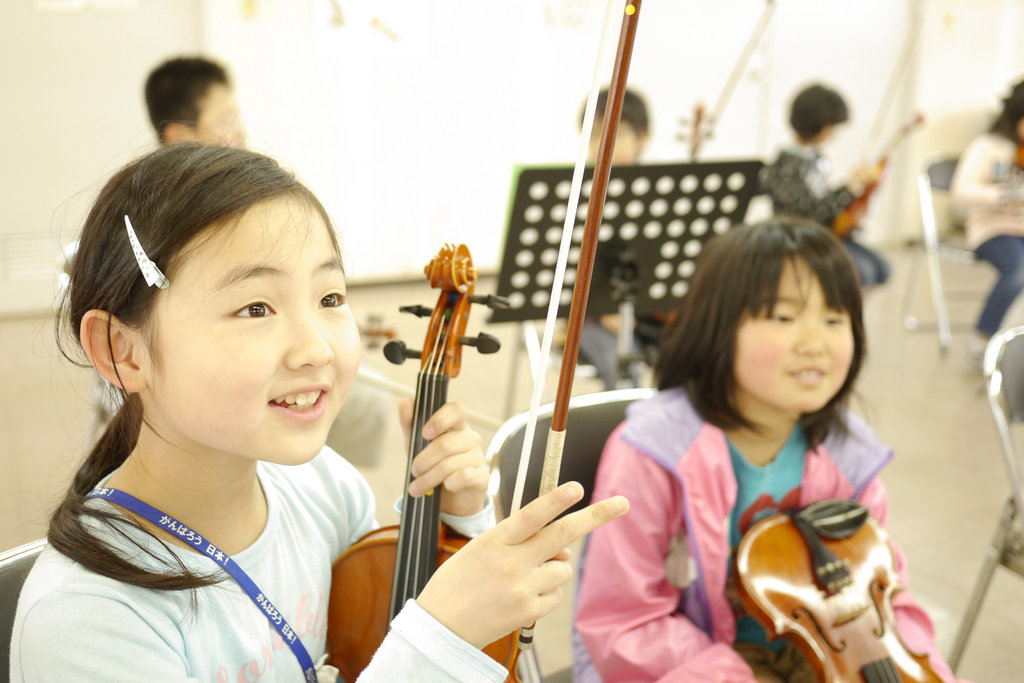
pixel 657 219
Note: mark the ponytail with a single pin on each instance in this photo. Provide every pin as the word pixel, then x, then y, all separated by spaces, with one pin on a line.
pixel 69 532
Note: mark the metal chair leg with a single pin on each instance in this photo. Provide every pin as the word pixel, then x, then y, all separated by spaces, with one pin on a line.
pixel 993 558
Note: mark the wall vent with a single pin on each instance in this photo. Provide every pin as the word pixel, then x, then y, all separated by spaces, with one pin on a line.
pixel 28 265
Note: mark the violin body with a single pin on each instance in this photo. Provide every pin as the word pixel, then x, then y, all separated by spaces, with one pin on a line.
pixel 845 635
pixel 357 618
pixel 853 213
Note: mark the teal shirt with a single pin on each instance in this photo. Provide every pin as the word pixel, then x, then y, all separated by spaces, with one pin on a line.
pixel 762 492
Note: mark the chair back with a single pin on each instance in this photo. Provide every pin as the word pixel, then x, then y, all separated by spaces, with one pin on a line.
pixel 1004 379
pixel 14 567
pixel 940 172
pixel 591 420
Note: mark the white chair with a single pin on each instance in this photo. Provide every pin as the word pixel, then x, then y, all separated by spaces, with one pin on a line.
pixel 1004 379
pixel 591 420
pixel 14 567
pixel 936 177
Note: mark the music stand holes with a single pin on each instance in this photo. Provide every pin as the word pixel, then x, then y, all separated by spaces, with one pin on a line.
pixel 577 233
pixel 611 210
pixel 658 208
pixel 529 236
pixel 574 255
pixel 652 229
pixel 634 208
pixel 538 191
pixel 721 225
pixel 705 205
pixel 565 298
pixel 712 182
pixel 658 290
pixel 540 298
pixel 587 185
pixel 689 183
pixel 562 189
pixel 675 228
pixel 735 182
pixel 680 288
pixel 549 257
pixel 728 203
pixel 698 226
pixel 663 270
pixel 533 213
pixel 605 233
pixel 570 277
pixel 669 250
pixel 629 231
pixel 692 248
pixel 616 186
pixel 682 206
pixel 641 186
pixel 520 279
pixel 558 213
pixel 581 211
pixel 686 269
pixel 516 299
pixel 553 235
pixel 545 278
pixel 664 184
pixel 524 259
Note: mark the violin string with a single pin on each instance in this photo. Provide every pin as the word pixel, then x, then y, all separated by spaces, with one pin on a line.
pixel 425 539
pixel 557 284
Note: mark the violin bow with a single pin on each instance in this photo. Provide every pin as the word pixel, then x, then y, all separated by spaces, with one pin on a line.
pixel 704 124
pixel 895 76
pixel 584 271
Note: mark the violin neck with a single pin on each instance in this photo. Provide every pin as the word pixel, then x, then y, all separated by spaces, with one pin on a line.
pixel 420 524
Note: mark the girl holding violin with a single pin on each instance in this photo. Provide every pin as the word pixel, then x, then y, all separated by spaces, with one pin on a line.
pixel 750 420
pixel 196 540
pixel 989 185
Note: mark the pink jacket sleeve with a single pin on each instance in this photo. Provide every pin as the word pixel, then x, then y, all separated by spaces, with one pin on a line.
pixel 626 608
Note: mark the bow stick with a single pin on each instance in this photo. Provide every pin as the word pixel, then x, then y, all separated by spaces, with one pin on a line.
pixel 584 272
pixel 703 124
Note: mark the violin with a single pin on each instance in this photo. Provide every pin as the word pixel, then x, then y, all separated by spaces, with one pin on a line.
pixel 851 216
pixel 823 578
pixel 403 557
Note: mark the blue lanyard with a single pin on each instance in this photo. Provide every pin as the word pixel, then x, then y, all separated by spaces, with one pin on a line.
pixel 201 545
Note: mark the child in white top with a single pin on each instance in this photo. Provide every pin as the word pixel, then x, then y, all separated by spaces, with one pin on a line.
pixel 233 367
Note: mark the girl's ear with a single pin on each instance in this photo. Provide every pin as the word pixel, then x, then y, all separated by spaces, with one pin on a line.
pixel 115 350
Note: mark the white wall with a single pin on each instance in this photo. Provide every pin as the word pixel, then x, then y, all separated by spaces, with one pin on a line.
pixel 72 113
pixel 409 117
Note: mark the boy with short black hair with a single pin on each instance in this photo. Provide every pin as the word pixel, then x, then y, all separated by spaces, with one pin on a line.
pixel 798 181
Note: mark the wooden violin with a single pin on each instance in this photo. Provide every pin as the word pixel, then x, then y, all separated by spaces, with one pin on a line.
pixel 851 216
pixel 402 558
pixel 823 578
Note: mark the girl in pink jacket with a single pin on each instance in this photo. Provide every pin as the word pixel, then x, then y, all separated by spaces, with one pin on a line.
pixel 753 376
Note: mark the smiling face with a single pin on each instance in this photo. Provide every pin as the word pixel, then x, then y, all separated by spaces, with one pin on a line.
pixel 254 347
pixel 794 360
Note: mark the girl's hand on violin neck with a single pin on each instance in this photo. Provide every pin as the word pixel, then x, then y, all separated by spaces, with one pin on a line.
pixel 511 575
pixel 453 459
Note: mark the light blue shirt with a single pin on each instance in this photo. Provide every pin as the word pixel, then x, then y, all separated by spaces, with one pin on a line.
pixel 762 492
pixel 73 625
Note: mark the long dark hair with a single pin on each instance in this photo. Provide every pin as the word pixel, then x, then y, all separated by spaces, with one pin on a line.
pixel 738 276
pixel 1013 111
pixel 172 196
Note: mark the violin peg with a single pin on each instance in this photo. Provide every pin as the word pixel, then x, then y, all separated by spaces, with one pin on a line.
pixel 417 310
pixel 397 352
pixel 490 300
pixel 484 343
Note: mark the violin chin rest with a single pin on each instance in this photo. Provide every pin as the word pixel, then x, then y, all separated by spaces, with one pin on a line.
pixel 834 518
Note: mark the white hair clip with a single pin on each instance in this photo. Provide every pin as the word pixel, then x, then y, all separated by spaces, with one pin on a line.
pixel 153 275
